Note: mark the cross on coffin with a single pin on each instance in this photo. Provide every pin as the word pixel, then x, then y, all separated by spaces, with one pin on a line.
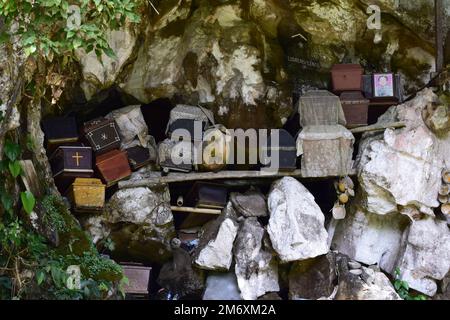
pixel 77 158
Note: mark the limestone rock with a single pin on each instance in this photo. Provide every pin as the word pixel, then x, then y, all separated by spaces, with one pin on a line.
pixel 256 269
pixel 314 278
pixel 370 238
pixel 426 255
pixel 140 223
pixel 250 204
pixel 296 226
pixel 353 287
pixel 221 286
pixel 179 277
pixel 216 243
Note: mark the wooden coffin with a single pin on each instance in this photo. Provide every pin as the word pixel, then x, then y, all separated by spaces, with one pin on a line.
pixel 281 151
pixel 113 166
pixel 59 131
pixel 138 279
pixel 207 195
pixel 187 129
pixel 326 151
pixel 175 155
pixel 374 89
pixel 139 157
pixel 87 195
pixel 70 162
pixel 347 77
pixel 102 135
pixel 356 108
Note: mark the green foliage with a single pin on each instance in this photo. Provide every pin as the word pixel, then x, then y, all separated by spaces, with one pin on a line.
pixel 51 215
pixel 28 201
pixel 402 288
pixel 59 27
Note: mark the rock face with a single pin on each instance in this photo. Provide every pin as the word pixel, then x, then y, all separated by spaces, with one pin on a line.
pixel 369 285
pixel 426 255
pixel 296 226
pixel 222 286
pixel 256 269
pixel 216 244
pixel 314 278
pixel 250 204
pixel 246 75
pixel 371 238
pixel 140 223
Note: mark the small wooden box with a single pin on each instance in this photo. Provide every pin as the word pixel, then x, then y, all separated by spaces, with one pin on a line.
pixel 356 108
pixel 113 166
pixel 207 195
pixel 139 157
pixel 284 149
pixel 59 131
pixel 138 279
pixel 369 89
pixel 347 77
pixel 102 135
pixel 87 195
pixel 70 162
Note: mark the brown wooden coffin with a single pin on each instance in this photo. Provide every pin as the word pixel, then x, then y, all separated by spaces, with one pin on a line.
pixel 347 77
pixel 70 162
pixel 102 135
pixel 59 131
pixel 207 195
pixel 356 108
pixel 113 166
pixel 139 157
pixel 281 148
pixel 138 279
pixel 87 195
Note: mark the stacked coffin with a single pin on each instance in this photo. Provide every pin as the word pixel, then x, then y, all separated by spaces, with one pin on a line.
pixel 110 148
pixel 325 145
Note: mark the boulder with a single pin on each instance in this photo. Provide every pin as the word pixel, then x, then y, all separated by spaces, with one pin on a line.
pixel 179 277
pixel 140 223
pixel 313 278
pixel 250 204
pixel 214 251
pixel 256 269
pixel 369 285
pixel 426 255
pixel 370 238
pixel 221 286
pixel 296 226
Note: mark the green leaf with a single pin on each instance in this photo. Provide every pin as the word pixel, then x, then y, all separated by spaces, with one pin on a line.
pixel 7 201
pixel 397 285
pixel 12 150
pixel 110 53
pixel 40 277
pixel 28 201
pixel 405 285
pixel 14 168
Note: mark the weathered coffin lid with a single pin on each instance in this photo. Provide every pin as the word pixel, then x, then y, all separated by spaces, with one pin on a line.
pixel 109 155
pixel 320 107
pixel 325 133
pixel 353 97
pixel 88 182
pixel 131 123
pixel 182 111
pixel 348 66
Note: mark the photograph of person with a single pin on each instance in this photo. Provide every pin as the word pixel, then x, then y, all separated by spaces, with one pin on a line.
pixel 384 85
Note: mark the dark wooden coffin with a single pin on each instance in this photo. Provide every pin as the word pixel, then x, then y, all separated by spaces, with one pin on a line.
pixel 87 195
pixel 192 130
pixel 138 279
pixel 70 162
pixel 207 195
pixel 139 157
pixel 172 157
pixel 282 146
pixel 59 131
pixel 385 95
pixel 347 77
pixel 113 166
pixel 102 135
pixel 356 108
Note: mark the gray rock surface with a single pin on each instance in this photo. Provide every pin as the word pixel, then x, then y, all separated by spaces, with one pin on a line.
pixel 250 204
pixel 221 286
pixel 256 269
pixel 296 225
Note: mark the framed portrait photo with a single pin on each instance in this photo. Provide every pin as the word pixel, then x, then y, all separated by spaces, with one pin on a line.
pixel 383 85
